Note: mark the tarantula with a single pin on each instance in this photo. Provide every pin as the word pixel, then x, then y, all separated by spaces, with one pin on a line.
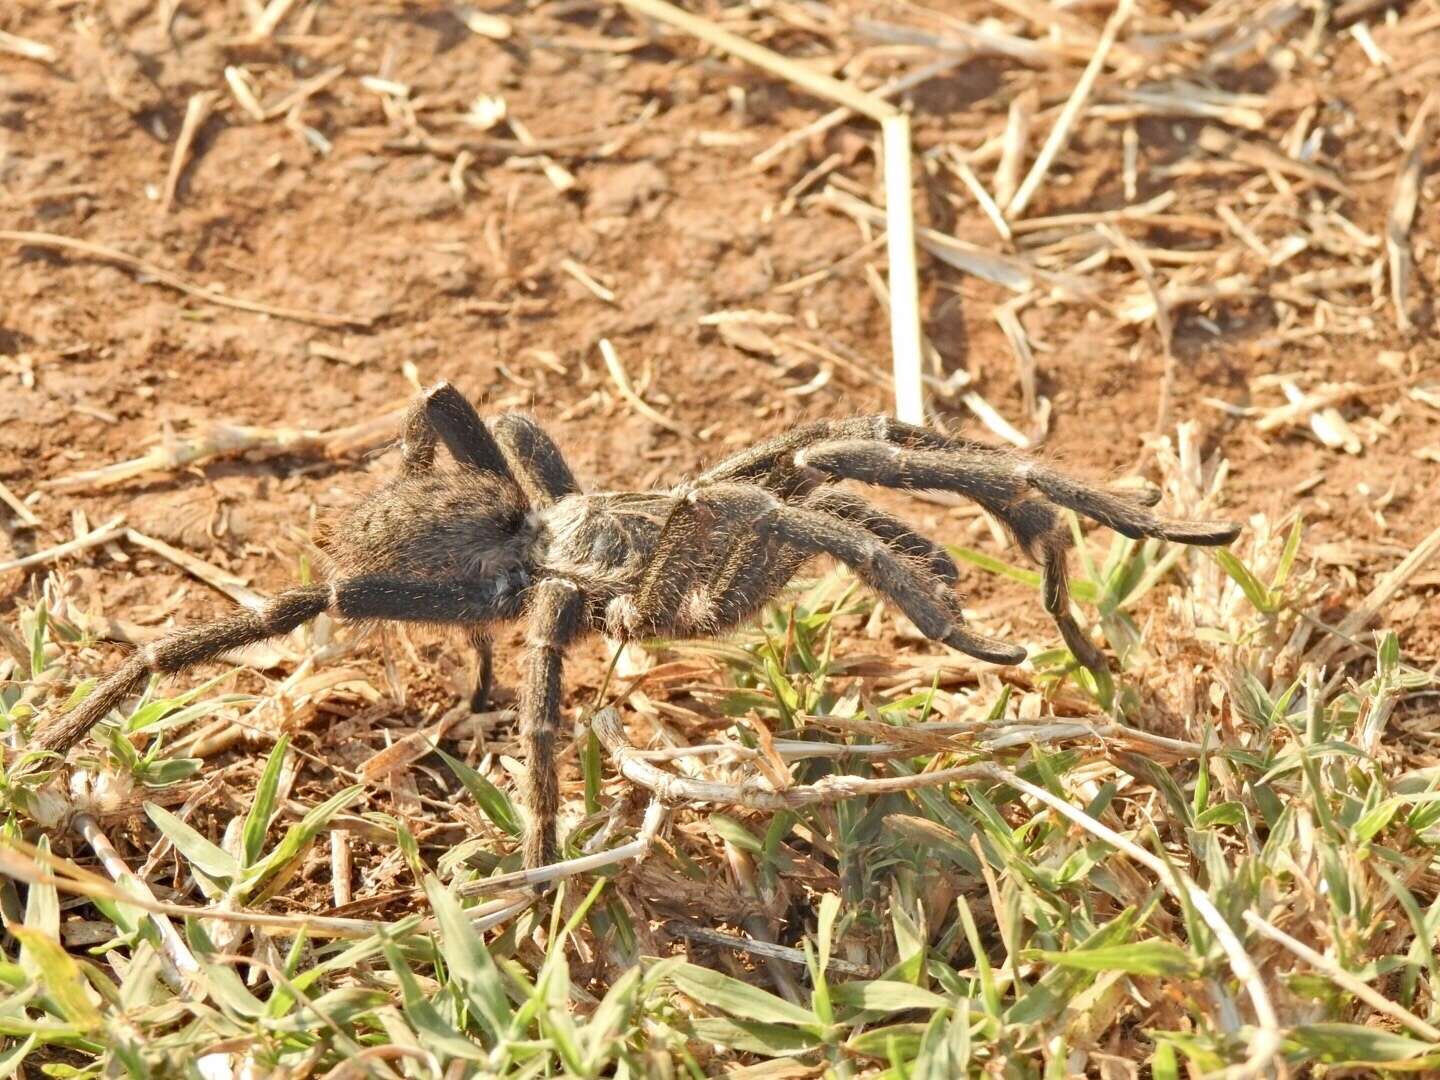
pixel 506 533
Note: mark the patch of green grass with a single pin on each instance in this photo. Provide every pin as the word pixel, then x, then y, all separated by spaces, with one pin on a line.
pixel 952 930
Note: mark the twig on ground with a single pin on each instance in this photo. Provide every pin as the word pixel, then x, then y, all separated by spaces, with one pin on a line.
pixel 1344 979
pixel 104 534
pixel 164 277
pixel 638 848
pixel 627 391
pixel 753 795
pixel 1059 136
pixel 585 278
pixel 1404 199
pixel 1012 153
pixel 561 178
pixel 197 111
pixel 23 512
pixel 219 580
pixel 27 48
pixel 26 863
pixel 270 19
pixel 222 439
pixel 180 968
pixel 1261 156
pixel 835 117
pixel 301 93
pixel 1384 590
pixel 765 949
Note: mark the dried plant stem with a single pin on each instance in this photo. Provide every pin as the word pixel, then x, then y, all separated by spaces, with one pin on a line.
pixel 835 117
pixel 342 867
pixel 761 948
pixel 1348 982
pixel 560 177
pixel 27 863
pixel 180 968
pixel 627 391
pixel 25 47
pixel 220 439
pixel 104 534
pixel 197 111
pixel 636 849
pixel 754 795
pixel 1378 597
pixel 10 499
pixel 175 281
pixel 273 15
pixel 1059 136
pixel 904 275
pixel 217 579
pixel 803 76
pixel 1012 151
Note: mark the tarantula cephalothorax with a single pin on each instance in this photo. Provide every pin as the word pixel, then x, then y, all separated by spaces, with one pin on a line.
pixel 506 533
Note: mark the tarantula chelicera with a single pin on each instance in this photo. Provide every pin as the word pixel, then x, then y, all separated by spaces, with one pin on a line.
pixel 506 533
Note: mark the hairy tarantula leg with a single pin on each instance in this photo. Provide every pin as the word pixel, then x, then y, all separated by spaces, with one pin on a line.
pixel 755 463
pixel 367 597
pixel 1055 588
pixel 755 569
pixel 484 647
pixel 180 650
pixel 1125 516
pixel 924 598
pixel 442 412
pixel 534 459
pixel 998 482
pixel 398 599
pixel 557 612
pixel 1041 531
pixel 900 536
pixel 681 558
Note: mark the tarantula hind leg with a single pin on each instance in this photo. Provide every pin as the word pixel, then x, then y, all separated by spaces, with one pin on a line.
pixel 363 598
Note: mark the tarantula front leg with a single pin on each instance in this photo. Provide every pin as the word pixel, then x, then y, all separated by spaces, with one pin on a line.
pixel 767 460
pixel 1024 495
pixel 852 508
pixel 756 566
pixel 999 481
pixel 534 459
pixel 678 564
pixel 442 413
pixel 557 612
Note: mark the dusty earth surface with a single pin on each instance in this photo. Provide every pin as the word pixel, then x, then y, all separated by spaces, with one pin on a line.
pixel 456 269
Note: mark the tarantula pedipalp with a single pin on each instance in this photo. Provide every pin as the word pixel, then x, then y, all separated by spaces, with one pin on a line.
pixel 506 533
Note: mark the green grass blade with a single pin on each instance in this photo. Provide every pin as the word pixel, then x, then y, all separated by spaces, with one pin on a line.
pixel 257 821
pixel 202 853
